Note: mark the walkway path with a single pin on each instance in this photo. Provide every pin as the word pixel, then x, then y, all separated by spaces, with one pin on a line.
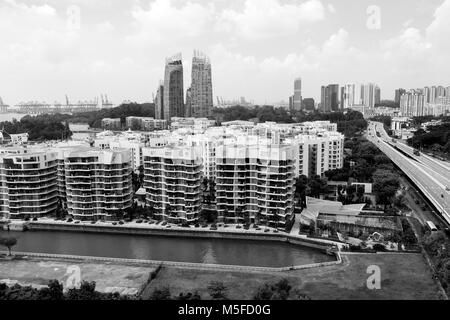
pixel 296 226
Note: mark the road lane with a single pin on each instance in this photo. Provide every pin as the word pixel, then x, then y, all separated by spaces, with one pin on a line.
pixel 431 182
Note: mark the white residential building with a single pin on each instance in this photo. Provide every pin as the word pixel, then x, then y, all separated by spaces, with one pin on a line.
pixel 28 183
pixel 255 183
pixel 172 180
pixel 98 183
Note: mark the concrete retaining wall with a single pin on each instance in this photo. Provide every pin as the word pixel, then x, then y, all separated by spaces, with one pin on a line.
pixel 176 264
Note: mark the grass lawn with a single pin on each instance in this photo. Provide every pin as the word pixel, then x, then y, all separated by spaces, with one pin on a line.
pixel 403 276
pixel 108 276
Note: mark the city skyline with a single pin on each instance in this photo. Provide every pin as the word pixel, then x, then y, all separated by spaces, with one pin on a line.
pixel 52 52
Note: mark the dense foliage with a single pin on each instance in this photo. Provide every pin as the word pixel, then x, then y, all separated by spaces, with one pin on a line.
pixel 54 291
pixel 438 246
pixel 435 139
pixel 39 128
pixel 350 124
pixel 94 118
pixel 361 162
pixel 281 290
pixel 262 113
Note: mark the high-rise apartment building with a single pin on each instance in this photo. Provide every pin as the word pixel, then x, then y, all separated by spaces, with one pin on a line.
pixel 159 102
pixel 173 96
pixel 350 96
pixel 98 183
pixel 370 95
pixel 201 86
pixel 297 98
pixel 28 185
pixel 330 98
pixel 255 183
pixel 172 180
pixel 398 93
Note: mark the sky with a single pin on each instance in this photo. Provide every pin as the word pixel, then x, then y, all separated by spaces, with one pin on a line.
pixel 84 48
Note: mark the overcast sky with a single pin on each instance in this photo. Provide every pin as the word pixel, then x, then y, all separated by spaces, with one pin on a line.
pixel 257 47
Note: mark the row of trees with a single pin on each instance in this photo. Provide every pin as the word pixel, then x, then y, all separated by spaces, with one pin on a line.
pixel 94 118
pixel 435 139
pixel 262 113
pixel 280 290
pixel 39 128
pixel 54 291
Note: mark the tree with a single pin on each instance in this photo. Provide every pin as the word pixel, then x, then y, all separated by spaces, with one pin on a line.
pixel 85 292
pixel 161 294
pixel 217 290
pixel 300 189
pixel 54 291
pixel 274 291
pixel 317 186
pixel 385 186
pixel 8 242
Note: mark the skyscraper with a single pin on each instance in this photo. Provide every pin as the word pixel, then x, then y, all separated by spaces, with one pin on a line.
pixel 377 95
pixel 201 86
pixel 398 94
pixel 159 102
pixel 370 95
pixel 297 94
pixel 173 102
pixel 350 96
pixel 330 98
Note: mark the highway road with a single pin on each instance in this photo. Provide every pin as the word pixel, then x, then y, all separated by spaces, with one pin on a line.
pixel 430 175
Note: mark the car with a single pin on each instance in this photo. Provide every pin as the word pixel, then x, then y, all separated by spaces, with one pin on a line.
pixel 151 222
pixel 138 221
pixel 197 225
pixel 266 230
pixel 164 223
pixel 69 220
pixel 120 222
pixel 169 226
pixel 78 221
pixel 93 222
pixel 114 223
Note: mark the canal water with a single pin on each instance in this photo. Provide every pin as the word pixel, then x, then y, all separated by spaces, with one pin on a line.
pixel 197 250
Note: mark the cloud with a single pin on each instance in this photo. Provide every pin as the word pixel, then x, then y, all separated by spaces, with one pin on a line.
pixel 262 19
pixel 439 30
pixel 165 23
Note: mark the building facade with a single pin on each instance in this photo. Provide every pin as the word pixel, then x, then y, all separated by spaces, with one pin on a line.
pixel 297 97
pixel 255 184
pixel 98 183
pixel 172 180
pixel 28 183
pixel 173 95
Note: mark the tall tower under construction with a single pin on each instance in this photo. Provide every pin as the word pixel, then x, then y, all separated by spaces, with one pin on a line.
pixel 201 86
